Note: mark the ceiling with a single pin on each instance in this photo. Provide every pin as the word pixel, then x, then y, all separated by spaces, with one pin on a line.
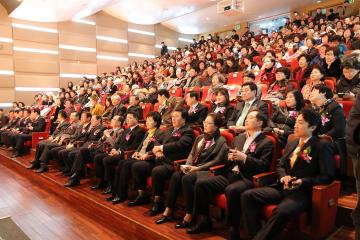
pixel 184 16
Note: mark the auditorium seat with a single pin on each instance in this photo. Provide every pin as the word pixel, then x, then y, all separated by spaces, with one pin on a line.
pixel 235 78
pixel 346 105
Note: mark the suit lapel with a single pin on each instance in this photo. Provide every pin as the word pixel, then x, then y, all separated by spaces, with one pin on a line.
pixel 256 140
pixel 308 143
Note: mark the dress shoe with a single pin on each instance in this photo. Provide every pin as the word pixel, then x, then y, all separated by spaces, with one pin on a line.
pixel 67 174
pixel 183 224
pixel 139 200
pixel 164 219
pixel 42 169
pixel 117 200
pixel 72 182
pixel 203 226
pixel 33 161
pixel 100 185
pixel 33 166
pixel 234 233
pixel 157 208
pixel 108 190
pixel 10 148
pixel 109 199
pixel 15 154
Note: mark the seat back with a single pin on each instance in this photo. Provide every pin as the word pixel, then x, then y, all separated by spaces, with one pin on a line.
pixel 204 94
pixel 346 105
pixel 228 136
pixel 147 107
pixel 330 83
pixel 176 92
pixel 235 78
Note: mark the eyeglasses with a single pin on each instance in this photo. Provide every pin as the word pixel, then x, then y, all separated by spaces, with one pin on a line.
pixel 208 123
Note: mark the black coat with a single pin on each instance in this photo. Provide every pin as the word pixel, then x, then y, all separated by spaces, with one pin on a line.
pixel 320 169
pixel 347 86
pixel 258 160
pixel 211 156
pixel 176 145
pixel 198 116
pixel 353 130
pixel 129 139
pixel 334 70
pixel 333 120
pixel 225 111
pixel 119 110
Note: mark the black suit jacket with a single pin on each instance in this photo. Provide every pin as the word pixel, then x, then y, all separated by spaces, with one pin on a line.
pixel 319 170
pixel 198 116
pixel 257 160
pixel 3 121
pixel 213 155
pixel 39 125
pixel 134 139
pixel 335 127
pixel 60 128
pixel 262 106
pixel 176 144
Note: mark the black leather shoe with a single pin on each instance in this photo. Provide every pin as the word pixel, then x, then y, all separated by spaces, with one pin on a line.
pixel 72 182
pixel 156 209
pixel 42 169
pixel 109 199
pixel 234 233
pixel 164 219
pixel 33 166
pixel 107 190
pixel 117 200
pixel 67 174
pixel 139 200
pixel 33 161
pixel 100 185
pixel 183 224
pixel 202 226
pixel 15 154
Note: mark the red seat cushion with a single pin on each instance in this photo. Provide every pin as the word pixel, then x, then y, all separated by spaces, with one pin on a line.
pixel 220 201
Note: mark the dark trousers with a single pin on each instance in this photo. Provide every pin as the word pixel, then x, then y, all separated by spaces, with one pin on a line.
pixel 40 148
pixel 140 171
pixel 54 152
pixel 109 165
pixel 122 177
pixel 20 140
pixel 46 153
pixel 99 167
pixel 186 182
pixel 232 185
pixel 356 212
pixel 289 205
pixel 81 157
pixel 9 139
pixel 159 175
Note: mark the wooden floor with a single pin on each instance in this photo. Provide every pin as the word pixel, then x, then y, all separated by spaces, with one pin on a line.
pixel 44 209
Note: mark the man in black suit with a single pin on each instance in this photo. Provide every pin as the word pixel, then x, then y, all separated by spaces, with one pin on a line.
pixel 9 137
pixel 52 140
pixel 306 162
pixel 167 105
pixel 3 118
pixel 164 49
pixel 175 144
pixel 197 112
pixel 59 154
pixel 248 103
pixel 130 139
pixel 79 156
pixel 119 109
pixel 46 155
pixel 38 125
pixel 251 154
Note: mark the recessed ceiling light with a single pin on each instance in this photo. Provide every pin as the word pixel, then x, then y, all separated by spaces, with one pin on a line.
pixel 318 1
pixel 212 0
pixel 207 18
pixel 225 25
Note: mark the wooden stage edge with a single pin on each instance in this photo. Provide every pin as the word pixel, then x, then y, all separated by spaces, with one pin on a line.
pixel 129 223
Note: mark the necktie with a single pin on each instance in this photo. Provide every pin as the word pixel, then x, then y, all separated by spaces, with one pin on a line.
pixel 241 120
pixel 296 153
